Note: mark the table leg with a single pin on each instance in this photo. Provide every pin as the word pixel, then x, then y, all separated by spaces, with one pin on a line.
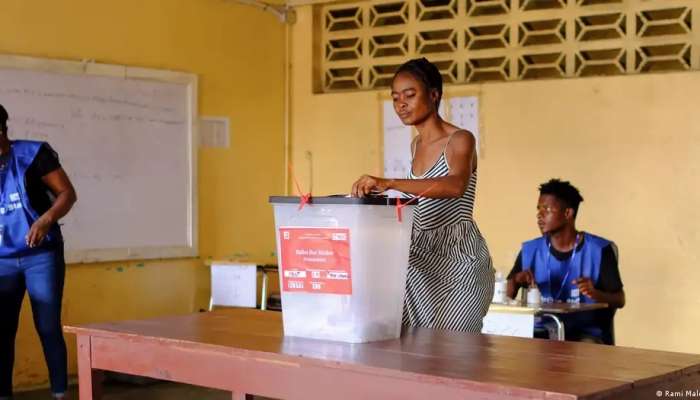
pixel 561 334
pixel 89 380
pixel 263 292
pixel 240 396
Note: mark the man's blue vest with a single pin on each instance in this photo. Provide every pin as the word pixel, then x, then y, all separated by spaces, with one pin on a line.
pixel 16 212
pixel 555 278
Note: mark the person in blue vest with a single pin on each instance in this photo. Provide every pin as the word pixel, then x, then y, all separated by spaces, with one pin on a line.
pixel 35 193
pixel 569 265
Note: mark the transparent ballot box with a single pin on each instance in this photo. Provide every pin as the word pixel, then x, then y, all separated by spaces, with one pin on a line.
pixel 342 264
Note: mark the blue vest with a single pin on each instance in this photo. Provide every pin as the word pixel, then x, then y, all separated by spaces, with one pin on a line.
pixel 16 212
pixel 554 279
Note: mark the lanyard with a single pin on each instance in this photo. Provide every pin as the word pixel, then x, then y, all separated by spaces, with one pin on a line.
pixel 568 267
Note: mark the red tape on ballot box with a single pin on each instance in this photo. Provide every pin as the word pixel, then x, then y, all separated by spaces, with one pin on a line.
pixel 316 260
pixel 400 206
pixel 304 199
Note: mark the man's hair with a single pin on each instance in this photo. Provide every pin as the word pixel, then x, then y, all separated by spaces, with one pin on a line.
pixel 3 119
pixel 426 72
pixel 564 191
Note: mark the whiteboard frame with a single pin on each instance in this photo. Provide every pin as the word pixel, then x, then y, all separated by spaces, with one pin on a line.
pixel 90 67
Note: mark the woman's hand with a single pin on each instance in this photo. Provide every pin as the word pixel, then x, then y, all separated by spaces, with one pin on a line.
pixel 38 231
pixel 368 184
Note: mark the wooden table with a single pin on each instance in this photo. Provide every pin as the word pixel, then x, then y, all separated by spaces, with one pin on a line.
pixel 244 351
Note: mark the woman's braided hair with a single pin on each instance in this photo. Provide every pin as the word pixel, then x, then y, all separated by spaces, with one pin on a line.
pixel 426 72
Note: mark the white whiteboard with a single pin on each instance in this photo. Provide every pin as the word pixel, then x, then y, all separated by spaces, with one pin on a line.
pixel 125 137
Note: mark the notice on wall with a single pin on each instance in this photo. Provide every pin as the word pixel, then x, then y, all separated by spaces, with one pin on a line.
pixel 316 260
pixel 397 144
pixel 464 113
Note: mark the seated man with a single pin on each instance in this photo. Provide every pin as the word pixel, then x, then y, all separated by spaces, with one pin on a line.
pixel 570 265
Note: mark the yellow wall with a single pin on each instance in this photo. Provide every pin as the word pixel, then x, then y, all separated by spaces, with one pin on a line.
pixel 630 143
pixel 238 54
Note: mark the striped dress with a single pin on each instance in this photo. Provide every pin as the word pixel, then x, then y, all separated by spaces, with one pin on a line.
pixel 450 275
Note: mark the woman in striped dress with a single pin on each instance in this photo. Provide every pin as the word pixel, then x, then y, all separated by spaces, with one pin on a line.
pixel 450 275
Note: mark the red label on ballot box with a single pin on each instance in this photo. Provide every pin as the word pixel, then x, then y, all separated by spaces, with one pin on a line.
pixel 316 260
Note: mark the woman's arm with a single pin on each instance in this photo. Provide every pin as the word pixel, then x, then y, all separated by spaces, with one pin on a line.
pixel 460 157
pixel 62 188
